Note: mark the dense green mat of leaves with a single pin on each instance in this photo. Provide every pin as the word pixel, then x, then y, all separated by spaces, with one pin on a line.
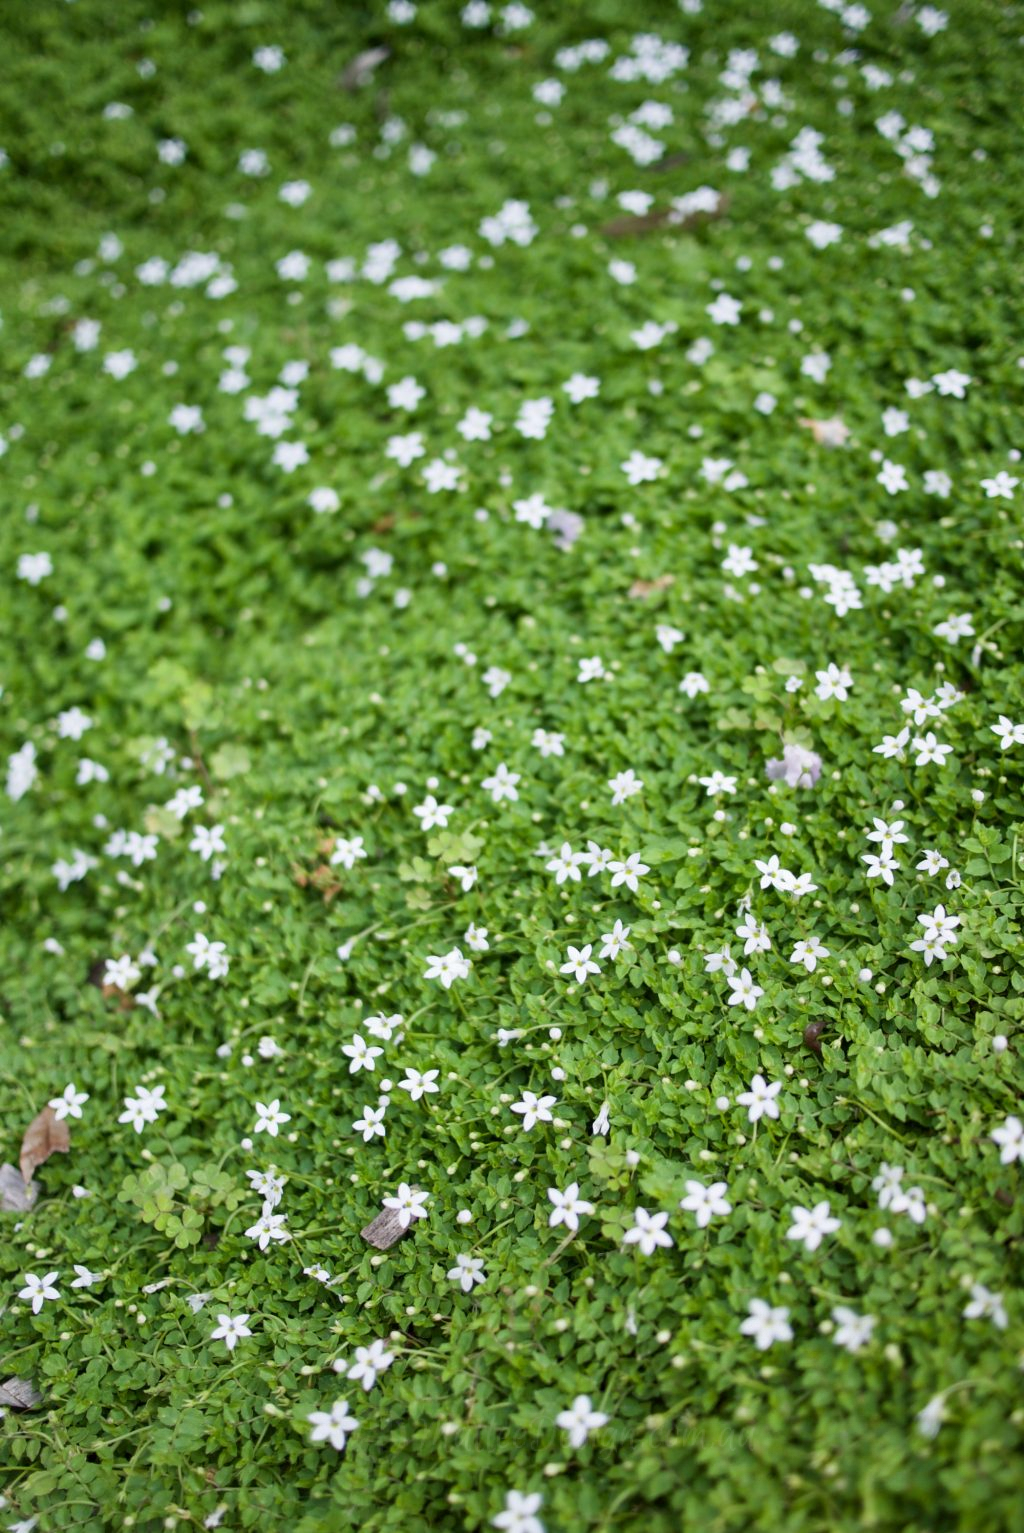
pixel 512 705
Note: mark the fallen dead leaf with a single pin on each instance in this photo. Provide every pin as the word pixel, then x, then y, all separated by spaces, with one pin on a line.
pixel 46 1135
pixel 828 433
pixel 362 69
pixel 326 880
pixel 19 1395
pixel 16 1195
pixel 643 588
pixel 664 218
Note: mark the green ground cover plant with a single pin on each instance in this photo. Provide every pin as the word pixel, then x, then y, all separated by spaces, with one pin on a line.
pixel 512 716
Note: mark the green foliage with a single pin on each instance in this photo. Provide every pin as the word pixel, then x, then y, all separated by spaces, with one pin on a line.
pixel 247 653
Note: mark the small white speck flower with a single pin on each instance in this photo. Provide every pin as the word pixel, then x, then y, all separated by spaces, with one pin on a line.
pixel 230 1329
pixel 567 1207
pixel 467 1271
pixel 39 1289
pixel 579 963
pixel 767 1324
pixel 761 1100
pixel 269 1118
pixel 334 1426
pixel 69 1104
pixel 408 1204
pixel 648 1232
pixel 534 1109
pixel 448 967
pixel 580 1420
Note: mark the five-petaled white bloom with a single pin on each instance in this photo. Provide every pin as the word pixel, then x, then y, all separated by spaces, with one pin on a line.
pixel 467 1271
pixel 767 1324
pixel 852 1331
pixel 811 1225
pixel 230 1329
pixel 579 963
pixel 566 864
pixel 371 1124
pixel 760 1100
pixel 69 1104
pixel 615 942
pixel 269 1226
pixel 39 1289
pixel 1009 733
pixel 502 784
pixel 705 1203
pixel 347 851
pixel 628 872
pixel 520 1513
pixel 986 1305
pixel 334 1426
pixel 807 952
pixel 408 1204
pixel 1010 1139
pixel 418 1084
pixel 448 967
pixel 534 1109
pixel 743 991
pixel 580 1420
pixel 648 1232
pixel 567 1207
pixel 269 1118
pixel 361 1055
pixel 431 813
pixel 369 1362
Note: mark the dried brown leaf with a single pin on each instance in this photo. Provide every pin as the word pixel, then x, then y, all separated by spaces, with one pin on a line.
pixel 670 162
pixel 326 880
pixel 663 218
pixel 46 1135
pixel 19 1395
pixel 16 1195
pixel 644 588
pixel 362 68
pixel 827 433
pixel 812 1036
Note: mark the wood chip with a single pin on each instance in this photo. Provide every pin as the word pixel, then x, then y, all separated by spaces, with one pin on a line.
pixel 19 1395
pixel 16 1196
pixel 385 1230
pixel 46 1135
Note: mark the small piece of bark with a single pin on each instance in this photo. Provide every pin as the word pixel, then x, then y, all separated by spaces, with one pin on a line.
pixel 46 1135
pixel 19 1395
pixel 385 1230
pixel 16 1195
